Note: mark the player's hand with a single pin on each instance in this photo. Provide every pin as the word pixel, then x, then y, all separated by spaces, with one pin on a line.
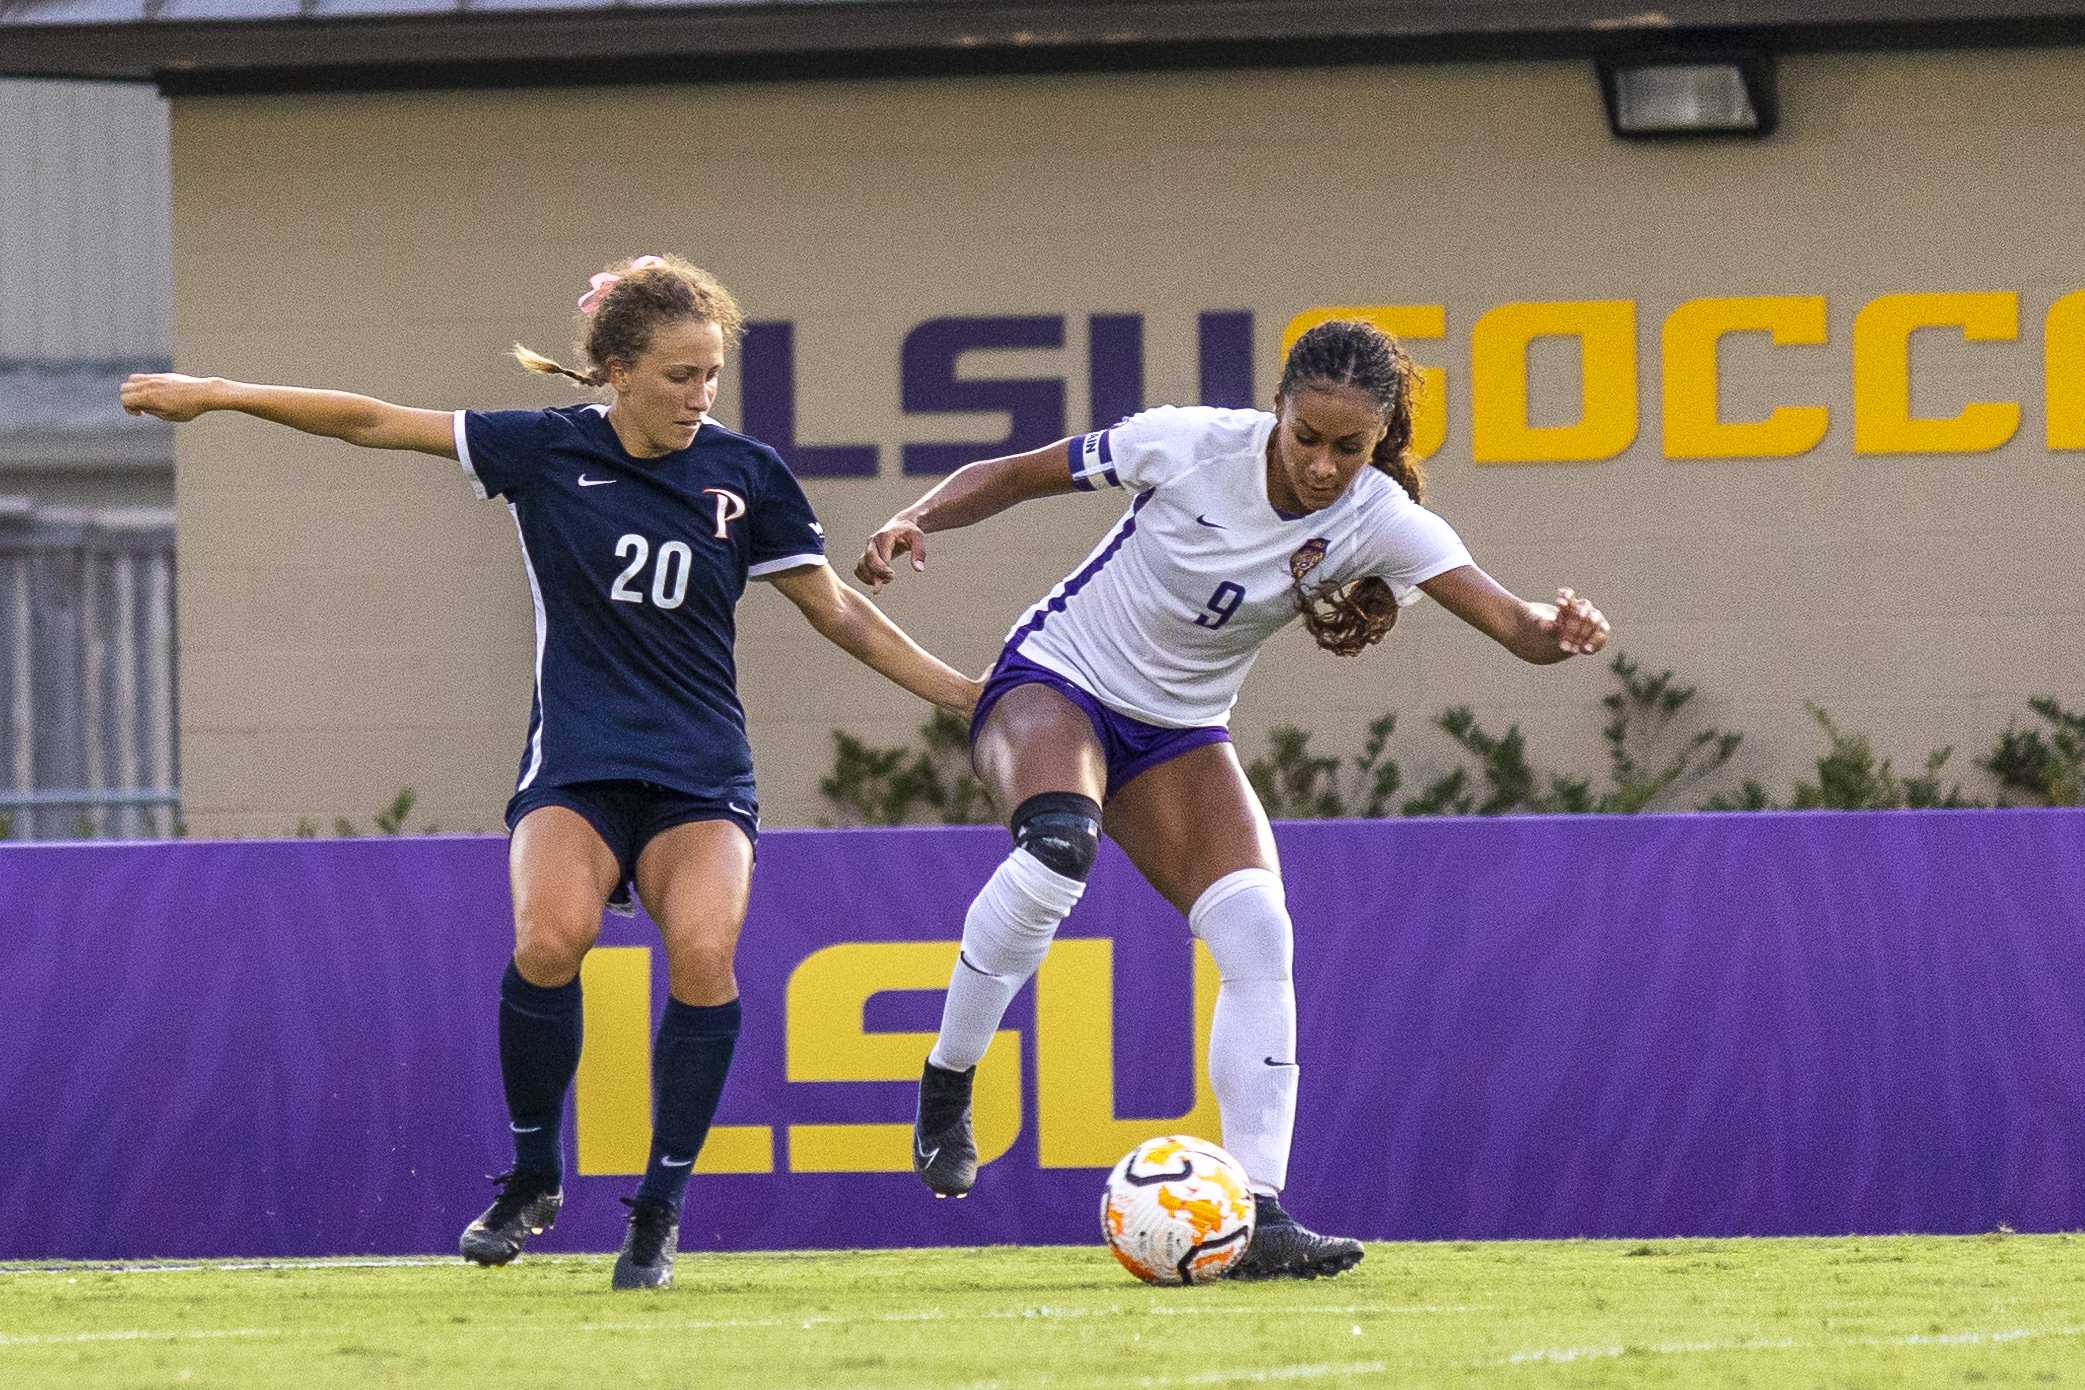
pixel 1579 628
pixel 167 395
pixel 879 557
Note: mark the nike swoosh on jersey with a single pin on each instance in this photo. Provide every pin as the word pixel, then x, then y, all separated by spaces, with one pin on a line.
pixel 585 481
pixel 1212 525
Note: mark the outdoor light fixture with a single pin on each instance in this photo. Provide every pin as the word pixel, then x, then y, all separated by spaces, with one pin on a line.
pixel 1659 96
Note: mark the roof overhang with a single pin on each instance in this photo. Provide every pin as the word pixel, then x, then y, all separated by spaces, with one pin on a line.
pixel 303 45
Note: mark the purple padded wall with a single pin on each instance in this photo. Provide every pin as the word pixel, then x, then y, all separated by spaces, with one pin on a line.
pixel 1636 1026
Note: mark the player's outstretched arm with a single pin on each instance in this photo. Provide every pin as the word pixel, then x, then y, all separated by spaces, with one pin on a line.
pixel 966 496
pixel 362 420
pixel 859 628
pixel 1537 632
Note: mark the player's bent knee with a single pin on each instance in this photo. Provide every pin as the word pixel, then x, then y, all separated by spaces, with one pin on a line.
pixel 548 965
pixel 1062 831
pixel 1015 915
pixel 706 963
pixel 550 946
pixel 1244 919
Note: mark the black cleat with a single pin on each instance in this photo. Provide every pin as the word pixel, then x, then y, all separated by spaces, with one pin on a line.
pixel 646 1261
pixel 1283 1248
pixel 527 1206
pixel 943 1152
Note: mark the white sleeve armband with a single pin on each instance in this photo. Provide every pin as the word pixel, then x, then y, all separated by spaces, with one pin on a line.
pixel 1093 461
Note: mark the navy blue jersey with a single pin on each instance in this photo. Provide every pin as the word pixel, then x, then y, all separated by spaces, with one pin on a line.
pixel 636 567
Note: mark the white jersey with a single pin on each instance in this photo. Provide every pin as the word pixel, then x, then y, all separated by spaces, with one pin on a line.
pixel 1164 619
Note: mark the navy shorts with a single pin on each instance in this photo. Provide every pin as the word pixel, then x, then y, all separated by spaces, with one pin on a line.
pixel 626 815
pixel 1130 745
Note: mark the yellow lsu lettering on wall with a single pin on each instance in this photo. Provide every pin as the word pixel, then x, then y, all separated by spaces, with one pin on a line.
pixel 1693 419
pixel 2063 365
pixel 612 1093
pixel 827 1041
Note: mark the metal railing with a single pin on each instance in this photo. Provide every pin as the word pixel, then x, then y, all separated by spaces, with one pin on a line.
pixel 87 689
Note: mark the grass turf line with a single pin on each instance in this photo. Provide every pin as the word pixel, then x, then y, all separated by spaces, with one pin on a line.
pixel 2002 1310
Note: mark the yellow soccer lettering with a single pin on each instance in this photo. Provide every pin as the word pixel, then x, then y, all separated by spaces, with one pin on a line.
pixel 1694 427
pixel 2063 348
pixel 1500 431
pixel 1882 418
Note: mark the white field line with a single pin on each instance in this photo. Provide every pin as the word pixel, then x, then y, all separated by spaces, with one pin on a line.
pixel 2017 1334
pixel 1549 1355
pixel 1555 1355
pixel 1038 1314
pixel 73 1339
pixel 1278 1373
pixel 75 1272
pixel 1565 1355
pixel 361 1262
pixel 1272 1375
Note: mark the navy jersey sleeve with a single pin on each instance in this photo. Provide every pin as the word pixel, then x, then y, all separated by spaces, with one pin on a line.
pixel 502 450
pixel 786 535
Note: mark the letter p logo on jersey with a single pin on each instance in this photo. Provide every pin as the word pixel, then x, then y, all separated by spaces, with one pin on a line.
pixel 730 507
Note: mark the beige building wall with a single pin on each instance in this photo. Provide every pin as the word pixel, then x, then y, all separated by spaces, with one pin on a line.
pixel 352 622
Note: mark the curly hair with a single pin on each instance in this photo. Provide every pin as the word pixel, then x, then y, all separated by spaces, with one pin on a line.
pixel 1350 618
pixel 620 327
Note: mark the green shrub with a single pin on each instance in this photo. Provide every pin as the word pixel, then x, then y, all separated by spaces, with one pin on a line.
pixel 1651 759
pixel 897 786
pixel 2049 771
pixel 1849 777
pixel 1294 784
pixel 391 819
pixel 1640 716
pixel 1644 707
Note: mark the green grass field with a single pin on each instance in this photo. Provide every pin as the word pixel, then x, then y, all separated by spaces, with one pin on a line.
pixel 1991 1310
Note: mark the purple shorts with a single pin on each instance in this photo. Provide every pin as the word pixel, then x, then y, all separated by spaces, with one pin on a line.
pixel 1130 745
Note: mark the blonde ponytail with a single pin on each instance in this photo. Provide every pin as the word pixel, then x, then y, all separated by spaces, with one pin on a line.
pixel 536 362
pixel 628 303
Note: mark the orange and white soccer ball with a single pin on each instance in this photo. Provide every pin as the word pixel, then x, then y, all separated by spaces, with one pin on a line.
pixel 1177 1211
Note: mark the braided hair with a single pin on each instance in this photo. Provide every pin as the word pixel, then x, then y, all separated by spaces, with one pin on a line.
pixel 1347 352
pixel 663 290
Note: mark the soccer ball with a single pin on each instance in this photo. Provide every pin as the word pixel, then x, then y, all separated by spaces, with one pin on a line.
pixel 1177 1211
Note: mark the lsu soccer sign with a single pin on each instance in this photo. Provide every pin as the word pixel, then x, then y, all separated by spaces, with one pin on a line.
pixel 1718 1025
pixel 827 1000
pixel 1611 401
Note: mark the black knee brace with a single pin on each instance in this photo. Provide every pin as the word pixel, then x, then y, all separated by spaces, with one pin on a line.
pixel 1062 829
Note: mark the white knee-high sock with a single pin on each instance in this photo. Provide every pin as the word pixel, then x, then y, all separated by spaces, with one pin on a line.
pixel 1005 936
pixel 1244 917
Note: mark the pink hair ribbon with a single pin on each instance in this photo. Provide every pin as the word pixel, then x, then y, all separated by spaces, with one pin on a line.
pixel 608 280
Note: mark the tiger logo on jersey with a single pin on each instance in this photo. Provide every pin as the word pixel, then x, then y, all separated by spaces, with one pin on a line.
pixel 1307 557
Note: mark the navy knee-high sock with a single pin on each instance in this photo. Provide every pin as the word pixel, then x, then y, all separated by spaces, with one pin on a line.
pixel 688 1065
pixel 539 1052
